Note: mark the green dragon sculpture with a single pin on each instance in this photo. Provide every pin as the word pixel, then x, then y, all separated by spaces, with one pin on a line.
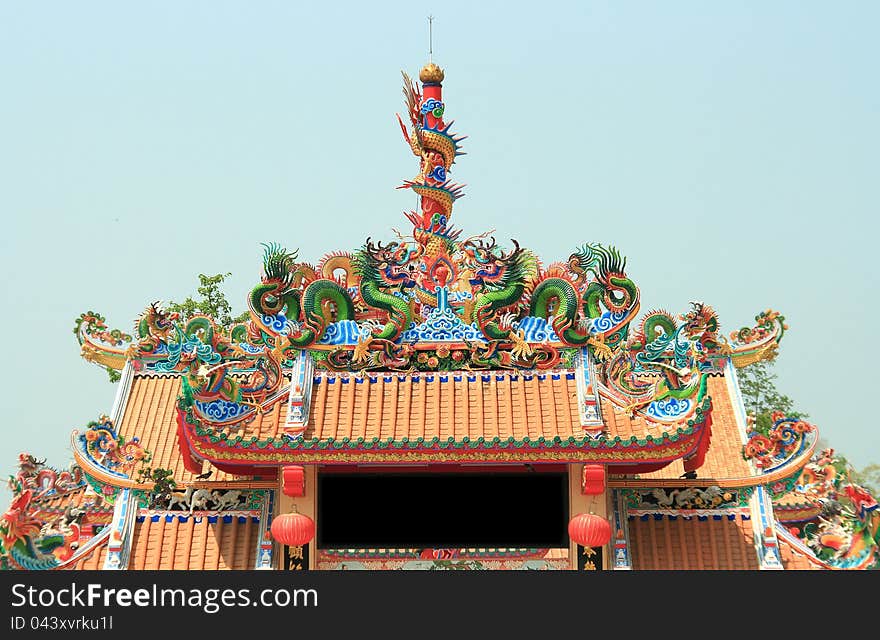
pixel 572 314
pixel 380 269
pixel 321 302
pixel 503 278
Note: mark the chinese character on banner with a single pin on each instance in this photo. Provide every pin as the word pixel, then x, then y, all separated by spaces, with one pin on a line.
pixel 589 558
pixel 296 558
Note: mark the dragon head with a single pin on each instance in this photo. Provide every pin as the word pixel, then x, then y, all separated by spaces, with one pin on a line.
pixel 28 462
pixel 701 325
pixel 391 264
pixel 700 319
pixel 17 523
pixel 490 265
pixel 155 325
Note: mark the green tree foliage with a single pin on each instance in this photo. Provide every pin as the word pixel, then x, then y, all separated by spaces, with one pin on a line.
pixel 211 302
pixel 761 397
pixel 163 484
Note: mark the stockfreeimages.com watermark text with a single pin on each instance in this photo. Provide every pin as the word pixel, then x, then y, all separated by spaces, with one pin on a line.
pixel 208 600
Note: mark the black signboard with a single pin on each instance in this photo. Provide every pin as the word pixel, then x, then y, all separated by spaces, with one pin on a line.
pixel 589 558
pixel 296 558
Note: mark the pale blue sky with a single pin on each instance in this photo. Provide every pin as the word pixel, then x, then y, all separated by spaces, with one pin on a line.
pixel 730 152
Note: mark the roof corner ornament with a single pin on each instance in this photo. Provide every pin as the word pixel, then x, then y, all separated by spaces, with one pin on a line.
pixel 299 405
pixel 588 399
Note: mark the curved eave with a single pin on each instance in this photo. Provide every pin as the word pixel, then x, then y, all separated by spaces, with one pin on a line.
pixel 793 515
pixel 748 354
pixel 105 359
pixel 104 476
pixel 91 468
pixel 101 354
pixel 778 474
pixel 218 447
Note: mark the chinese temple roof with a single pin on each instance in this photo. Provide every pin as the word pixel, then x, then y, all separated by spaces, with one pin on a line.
pixel 498 404
pixel 184 541
pixel 720 541
pixel 430 348
pixel 81 498
pixel 149 414
pixel 435 346
pixel 724 459
pixel 179 541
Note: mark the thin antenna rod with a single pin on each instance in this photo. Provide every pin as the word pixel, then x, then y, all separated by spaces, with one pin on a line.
pixel 430 38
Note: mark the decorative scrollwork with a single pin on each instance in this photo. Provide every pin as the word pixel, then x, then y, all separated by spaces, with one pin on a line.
pixel 787 438
pixel 107 449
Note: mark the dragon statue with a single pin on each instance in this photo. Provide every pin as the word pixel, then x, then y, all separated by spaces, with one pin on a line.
pixel 99 344
pixel 576 304
pixel 430 140
pixel 154 327
pixel 501 279
pixel 213 363
pixel 784 440
pixel 111 450
pixel 676 350
pixel 843 528
pixel 292 301
pixel 431 300
pixel 384 281
pixel 759 342
pixel 41 480
pixel 820 505
pixel 32 537
pixel 436 148
pixel 26 542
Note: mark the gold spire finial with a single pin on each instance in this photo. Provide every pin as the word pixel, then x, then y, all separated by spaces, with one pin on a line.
pixel 431 73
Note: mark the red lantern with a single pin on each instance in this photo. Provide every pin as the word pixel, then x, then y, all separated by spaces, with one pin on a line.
pixel 589 530
pixel 293 529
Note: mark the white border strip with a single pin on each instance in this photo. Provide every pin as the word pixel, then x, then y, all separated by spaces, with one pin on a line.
pixel 122 392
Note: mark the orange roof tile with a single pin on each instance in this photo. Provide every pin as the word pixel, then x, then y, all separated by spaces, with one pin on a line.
pixel 93 561
pixel 456 404
pixel 52 509
pixel 151 414
pixel 462 406
pixel 794 499
pixel 180 541
pixel 795 507
pixel 692 543
pixel 724 458
pixel 795 555
pixel 796 559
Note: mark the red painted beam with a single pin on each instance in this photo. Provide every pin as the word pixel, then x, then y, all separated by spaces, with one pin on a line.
pixel 190 462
